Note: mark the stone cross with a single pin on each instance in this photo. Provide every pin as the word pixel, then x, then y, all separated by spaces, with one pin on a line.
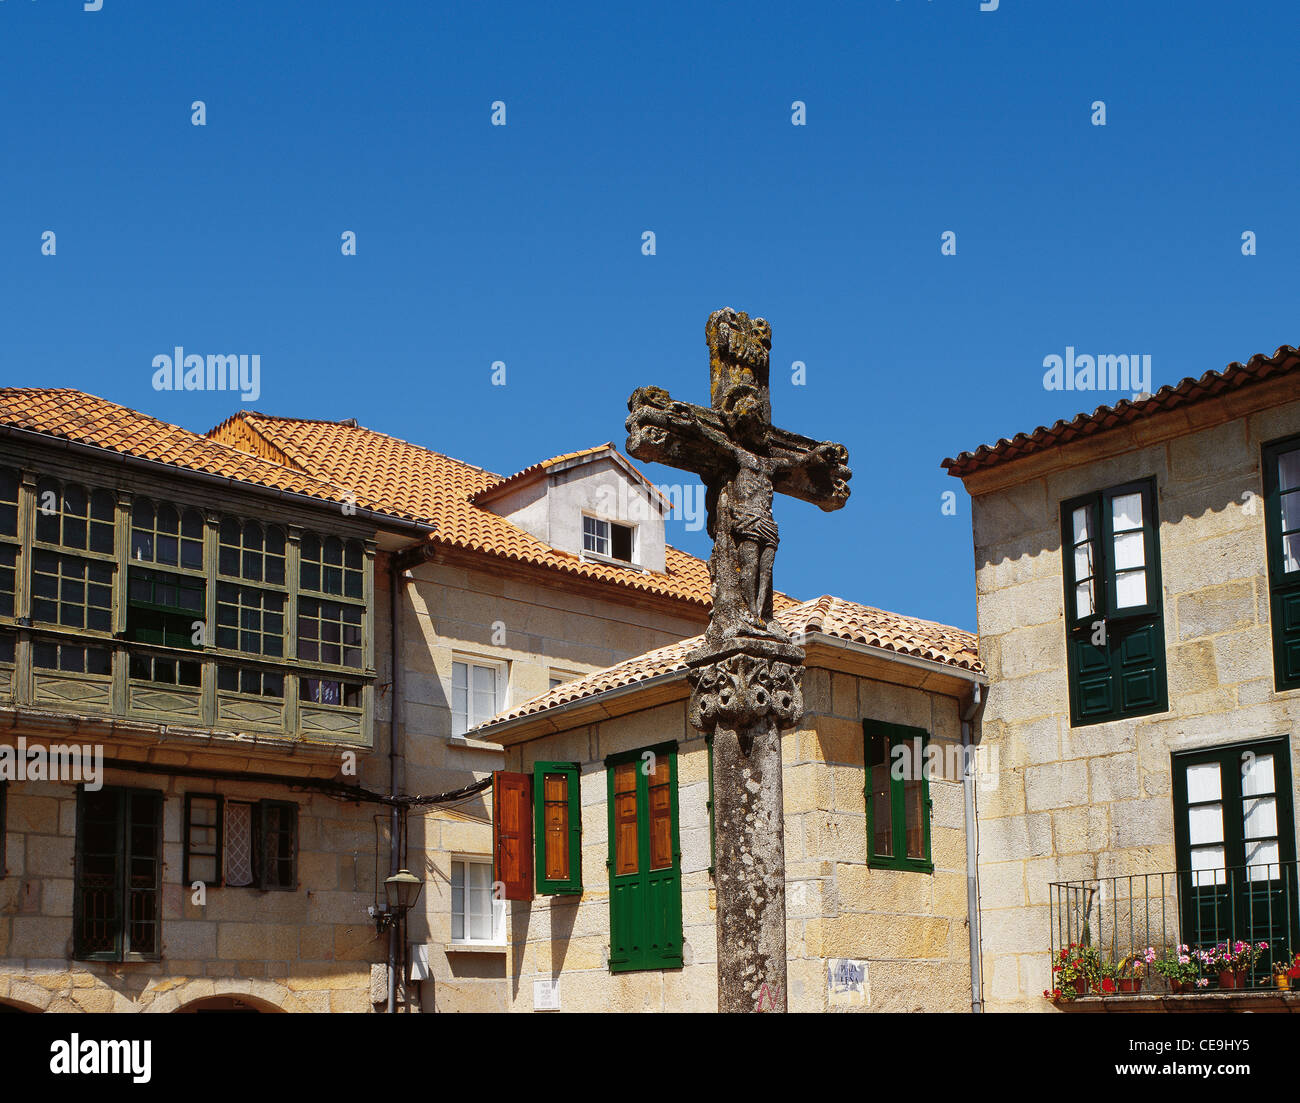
pixel 746 678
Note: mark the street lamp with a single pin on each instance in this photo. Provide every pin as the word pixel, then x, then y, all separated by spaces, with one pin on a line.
pixel 402 890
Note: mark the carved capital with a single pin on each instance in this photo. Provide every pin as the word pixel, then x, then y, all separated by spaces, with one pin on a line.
pixel 741 686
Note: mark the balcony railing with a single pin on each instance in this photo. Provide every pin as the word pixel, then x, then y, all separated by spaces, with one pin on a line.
pixel 1195 918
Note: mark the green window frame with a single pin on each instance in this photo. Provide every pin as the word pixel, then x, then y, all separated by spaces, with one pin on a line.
pixel 117 903
pixel 557 816
pixel 1114 607
pixel 250 681
pixel 330 633
pixel 645 861
pixel 335 693
pixel 331 566
pixel 204 823
pixel 72 592
pixel 81 518
pixel 250 619
pixel 251 551
pixel 1235 845
pixel 72 658
pixel 10 541
pixel 892 752
pixel 164 670
pixel 166 536
pixel 1281 467
pixel 165 609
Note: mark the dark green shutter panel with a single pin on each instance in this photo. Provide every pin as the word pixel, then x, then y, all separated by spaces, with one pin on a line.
pixel 645 904
pixel 1286 638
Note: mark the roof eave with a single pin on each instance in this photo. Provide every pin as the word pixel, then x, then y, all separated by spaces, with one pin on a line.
pixel 379 520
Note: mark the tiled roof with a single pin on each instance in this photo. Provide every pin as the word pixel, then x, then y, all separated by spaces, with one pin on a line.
pixel 86 419
pixel 1211 385
pixel 439 489
pixel 832 616
pixel 537 468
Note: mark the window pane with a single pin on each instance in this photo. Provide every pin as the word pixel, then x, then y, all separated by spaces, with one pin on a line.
pixel 1260 819
pixel 914 803
pixel 1083 602
pixel 1208 865
pixel 239 843
pixel 1205 824
pixel 1257 775
pixel 881 808
pixel 1264 860
pixel 1126 509
pixel 1129 551
pixel 1291 552
pixel 1130 589
pixel 1203 782
pixel 1288 471
pixel 458 901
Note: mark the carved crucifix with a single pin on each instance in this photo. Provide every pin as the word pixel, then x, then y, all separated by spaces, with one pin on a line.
pixel 746 679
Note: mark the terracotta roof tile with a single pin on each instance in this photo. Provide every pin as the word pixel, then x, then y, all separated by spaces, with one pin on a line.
pixel 440 489
pixel 833 616
pixel 555 461
pixel 86 419
pixel 1212 384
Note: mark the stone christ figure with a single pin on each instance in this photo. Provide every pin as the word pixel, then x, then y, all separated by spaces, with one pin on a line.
pixel 743 460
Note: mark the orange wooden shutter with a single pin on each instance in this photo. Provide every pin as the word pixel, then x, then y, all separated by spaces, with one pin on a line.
pixel 512 834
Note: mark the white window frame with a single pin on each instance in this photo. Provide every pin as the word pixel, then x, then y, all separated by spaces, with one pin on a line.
pixel 502 671
pixel 497 936
pixel 607 555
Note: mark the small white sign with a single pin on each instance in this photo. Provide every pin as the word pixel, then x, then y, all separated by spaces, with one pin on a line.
pixel 546 995
pixel 846 982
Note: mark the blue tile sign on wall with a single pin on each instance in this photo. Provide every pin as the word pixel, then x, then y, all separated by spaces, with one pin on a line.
pixel 846 982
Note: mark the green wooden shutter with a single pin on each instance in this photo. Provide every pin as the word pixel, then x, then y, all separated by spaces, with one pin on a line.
pixel 1116 653
pixel 893 809
pixel 544 839
pixel 645 904
pixel 1284 584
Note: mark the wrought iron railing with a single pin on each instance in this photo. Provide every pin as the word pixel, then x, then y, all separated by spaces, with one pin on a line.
pixel 1178 931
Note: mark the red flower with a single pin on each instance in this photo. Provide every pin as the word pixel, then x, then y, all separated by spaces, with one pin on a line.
pixel 1107 985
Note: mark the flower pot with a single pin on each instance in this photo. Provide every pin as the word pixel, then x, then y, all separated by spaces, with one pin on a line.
pixel 1178 987
pixel 1130 984
pixel 1081 986
pixel 1282 981
pixel 1229 979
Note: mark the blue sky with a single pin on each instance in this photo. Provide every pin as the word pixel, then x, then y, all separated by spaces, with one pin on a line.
pixel 523 243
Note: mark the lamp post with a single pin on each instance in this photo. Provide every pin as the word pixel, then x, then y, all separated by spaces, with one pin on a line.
pixel 401 890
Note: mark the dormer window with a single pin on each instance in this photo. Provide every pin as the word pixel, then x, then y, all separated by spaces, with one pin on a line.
pixel 607 538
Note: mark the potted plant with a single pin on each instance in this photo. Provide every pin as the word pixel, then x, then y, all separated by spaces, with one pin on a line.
pixel 1280 978
pixel 1072 971
pixel 1234 962
pixel 1293 974
pixel 1179 968
pixel 1132 968
pixel 1103 979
